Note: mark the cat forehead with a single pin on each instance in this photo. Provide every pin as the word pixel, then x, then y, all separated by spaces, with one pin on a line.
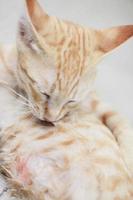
pixel 46 77
pixel 41 69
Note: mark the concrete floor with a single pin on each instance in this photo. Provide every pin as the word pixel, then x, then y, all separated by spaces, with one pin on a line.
pixel 115 78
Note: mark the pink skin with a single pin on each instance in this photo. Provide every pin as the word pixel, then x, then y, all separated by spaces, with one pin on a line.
pixel 23 171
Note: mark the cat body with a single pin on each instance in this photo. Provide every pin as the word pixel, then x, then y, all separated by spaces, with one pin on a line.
pixel 68 144
pixel 78 158
pixel 71 160
pixel 82 157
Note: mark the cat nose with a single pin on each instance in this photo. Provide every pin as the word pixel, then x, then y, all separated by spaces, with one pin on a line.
pixel 52 116
pixel 50 119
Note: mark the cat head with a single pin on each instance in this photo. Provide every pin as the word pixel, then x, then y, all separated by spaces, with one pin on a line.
pixel 57 60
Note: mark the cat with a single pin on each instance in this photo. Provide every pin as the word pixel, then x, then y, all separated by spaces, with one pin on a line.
pixel 84 152
pixel 69 53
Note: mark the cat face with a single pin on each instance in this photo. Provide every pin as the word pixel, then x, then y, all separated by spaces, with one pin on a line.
pixel 56 60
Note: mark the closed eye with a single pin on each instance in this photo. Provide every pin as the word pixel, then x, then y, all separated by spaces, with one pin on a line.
pixel 46 95
pixel 71 101
pixel 43 92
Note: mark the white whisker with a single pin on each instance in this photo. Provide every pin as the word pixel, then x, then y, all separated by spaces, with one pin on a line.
pixel 23 103
pixel 13 91
pixel 22 100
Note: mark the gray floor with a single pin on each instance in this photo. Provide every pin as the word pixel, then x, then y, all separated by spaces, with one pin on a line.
pixel 115 78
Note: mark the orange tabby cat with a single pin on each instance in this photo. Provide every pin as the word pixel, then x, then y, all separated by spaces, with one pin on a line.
pixel 85 154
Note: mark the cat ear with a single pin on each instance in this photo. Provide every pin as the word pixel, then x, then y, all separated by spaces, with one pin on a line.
pixel 36 14
pixel 32 22
pixel 109 39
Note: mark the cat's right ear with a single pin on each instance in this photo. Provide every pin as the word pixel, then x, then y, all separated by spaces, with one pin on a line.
pixel 109 39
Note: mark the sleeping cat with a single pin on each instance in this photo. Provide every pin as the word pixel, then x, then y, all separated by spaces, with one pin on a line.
pixel 69 145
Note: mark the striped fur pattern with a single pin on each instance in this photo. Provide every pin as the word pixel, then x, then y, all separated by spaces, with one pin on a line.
pixel 32 154
pixel 77 160
pixel 56 60
pixel 70 146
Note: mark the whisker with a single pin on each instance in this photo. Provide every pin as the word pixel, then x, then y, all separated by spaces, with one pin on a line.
pixel 12 90
pixel 24 113
pixel 25 101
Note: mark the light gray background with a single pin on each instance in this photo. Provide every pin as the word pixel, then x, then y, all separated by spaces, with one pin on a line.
pixel 115 78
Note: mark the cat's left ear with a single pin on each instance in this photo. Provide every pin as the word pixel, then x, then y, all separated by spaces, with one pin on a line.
pixel 109 39
pixel 34 22
pixel 37 16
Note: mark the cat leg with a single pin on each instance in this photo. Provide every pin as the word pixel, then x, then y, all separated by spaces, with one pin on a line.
pixel 120 128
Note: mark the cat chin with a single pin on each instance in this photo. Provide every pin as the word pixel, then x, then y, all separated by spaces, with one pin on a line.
pixel 47 122
pixel 42 121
